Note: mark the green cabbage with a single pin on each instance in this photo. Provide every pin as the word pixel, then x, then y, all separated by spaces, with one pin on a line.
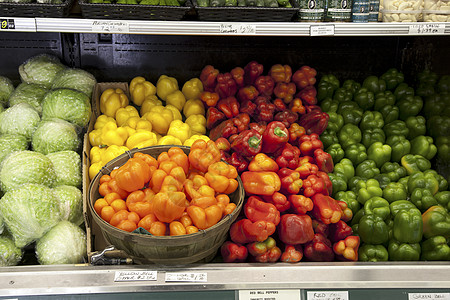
pixel 76 79
pixel 26 167
pixel 67 165
pixel 70 203
pixel 29 212
pixel 30 93
pixel 21 119
pixel 10 143
pixel 63 244
pixel 6 88
pixel 10 254
pixel 55 135
pixel 40 69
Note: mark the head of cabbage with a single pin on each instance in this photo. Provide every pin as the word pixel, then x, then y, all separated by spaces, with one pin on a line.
pixel 55 135
pixel 67 165
pixel 30 93
pixel 76 79
pixel 21 119
pixel 40 69
pixel 10 254
pixel 70 203
pixel 10 143
pixel 6 88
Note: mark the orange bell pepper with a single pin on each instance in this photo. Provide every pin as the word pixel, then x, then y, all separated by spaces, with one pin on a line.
pixel 204 202
pixel 152 225
pixel 191 229
pixel 224 203
pixel 203 154
pixel 150 160
pixel 221 177
pixel 174 180
pixel 262 162
pixel 185 219
pixel 169 206
pixel 261 183
pixel 160 174
pixel 176 228
pixel 106 207
pixel 197 186
pixel 125 220
pixel 204 218
pixel 109 185
pixel 176 155
pixel 140 201
pixel 133 175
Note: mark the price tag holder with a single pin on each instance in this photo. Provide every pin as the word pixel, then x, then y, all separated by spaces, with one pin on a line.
pixel 135 276
pixel 7 24
pixel 269 294
pixel 429 296
pixel 427 28
pixel 327 295
pixel 237 28
pixel 17 24
pixel 110 26
pixel 321 30
pixel 186 277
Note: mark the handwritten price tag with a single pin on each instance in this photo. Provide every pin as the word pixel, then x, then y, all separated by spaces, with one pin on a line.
pixel 236 28
pixel 110 26
pixel 338 295
pixel 187 277
pixel 429 296
pixel 427 28
pixel 269 295
pixel 135 276
pixel 7 24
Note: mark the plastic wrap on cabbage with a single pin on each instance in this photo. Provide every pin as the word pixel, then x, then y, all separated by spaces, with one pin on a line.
pixel 49 1
pixel 40 69
pixel 10 254
pixel 23 167
pixel 21 119
pixel 6 88
pixel 67 104
pixel 29 212
pixel 2 223
pixel 67 165
pixel 70 203
pixel 55 135
pixel 76 79
pixel 30 93
pixel 10 143
pixel 63 244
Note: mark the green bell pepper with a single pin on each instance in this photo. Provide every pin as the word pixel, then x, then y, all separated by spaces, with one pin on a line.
pixel 443 198
pixel 329 138
pixel 390 113
pixel 443 85
pixel 436 221
pixel 357 217
pixel 335 122
pixel 400 146
pixel 415 163
pixel 416 126
pixel 395 191
pixel 374 84
pixel 443 183
pixel 396 127
pixel 329 105
pixel 338 181
pixel 423 145
pixel 438 126
pixel 371 119
pixel 351 85
pixel 435 248
pixel 367 169
pixel 383 99
pixel 424 90
pixel 349 134
pixel 403 251
pixel 352 116
pixel 336 152
pixel 349 197
pixel 379 153
pixel 400 205
pixel 436 105
pixel 404 181
pixel 423 199
pixel 383 180
pixel 355 183
pixel 345 167
pixel 364 98
pixel 367 190
pixel 393 78
pixel 443 147
pixel 408 226
pixel 393 170
pixel 327 85
pixel 370 136
pixel 373 253
pixel 403 90
pixel 346 105
pixel 373 230
pixel 409 106
pixel 342 95
pixel 427 77
pixel 424 181
pixel 356 153
pixel 378 206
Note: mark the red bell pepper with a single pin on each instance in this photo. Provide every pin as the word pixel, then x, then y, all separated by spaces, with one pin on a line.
pixel 309 143
pixel 320 227
pixel 291 182
pixel 209 98
pixel 229 106
pixel 264 109
pixel 300 204
pixel 326 209
pixel 258 126
pixel 296 106
pixel 238 161
pixel 314 122
pixel 308 95
pixel 256 209
pixel 247 93
pixel 339 231
pixel 292 254
pixel 224 129
pixel 233 252
pixel 279 105
pixel 245 231
pixel 226 86
pixel 287 117
pixel 314 185
pixel 248 107
pixel 288 156
pixel 295 132
pixel 323 160
pixel 247 143
pixel 279 200
pixel 295 229
pixel 274 137
pixel 238 76
pixel 208 77
pixel 347 249
pixel 347 213
pixel 306 168
pixel 265 85
pixel 285 91
pixel 223 144
pixel 319 249
pixel 327 181
pixel 241 121
pixel 261 183
pixel 252 71
pixel 281 73
pixel 262 162
pixel 266 251
pixel 305 76
pixel 214 117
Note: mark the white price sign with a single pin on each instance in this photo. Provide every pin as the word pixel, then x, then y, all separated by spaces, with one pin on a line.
pixel 320 30
pixel 429 296
pixel 427 28
pixel 237 28
pixel 327 295
pixel 187 277
pixel 135 276
pixel 110 26
pixel 269 295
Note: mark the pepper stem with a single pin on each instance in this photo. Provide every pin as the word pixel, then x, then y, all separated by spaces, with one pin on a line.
pixel 254 142
pixel 279 132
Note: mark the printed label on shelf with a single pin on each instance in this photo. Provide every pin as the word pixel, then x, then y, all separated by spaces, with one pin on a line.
pixel 7 24
pixel 187 277
pixel 135 276
pixel 237 28
pixel 427 28
pixel 327 295
pixel 110 26
pixel 269 294
pixel 429 296
pixel 319 30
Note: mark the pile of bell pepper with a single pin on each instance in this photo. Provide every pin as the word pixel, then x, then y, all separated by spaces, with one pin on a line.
pixel 173 194
pixel 383 154
pixel 145 121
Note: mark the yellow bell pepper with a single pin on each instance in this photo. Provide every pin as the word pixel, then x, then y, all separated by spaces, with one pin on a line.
pixel 158 136
pixel 180 130
pixel 176 113
pixel 96 154
pixel 193 107
pixel 195 137
pixel 95 137
pixel 192 88
pixel 176 99
pixel 140 89
pixel 111 100
pixel 124 113
pixel 165 86
pixel 160 117
pixel 169 140
pixel 129 130
pixel 113 135
pixel 141 138
pixel 138 123
pixel 148 103
pixel 101 156
pixel 102 120
pixel 197 124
